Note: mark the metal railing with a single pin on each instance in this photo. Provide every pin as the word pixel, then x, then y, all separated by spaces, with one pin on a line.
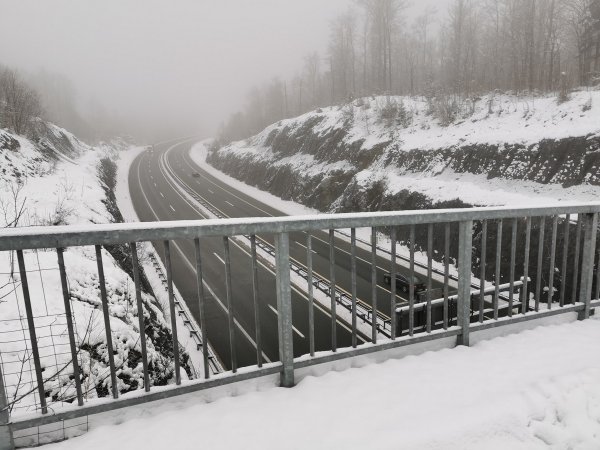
pixel 427 318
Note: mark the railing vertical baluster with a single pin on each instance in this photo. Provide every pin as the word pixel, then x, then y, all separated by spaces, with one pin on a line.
pixel 552 261
pixel 332 290
pixel 429 274
pixel 576 258
pixel 563 270
pixel 311 300
pixel 202 308
pixel 284 309
pixel 140 312
pixel 230 310
pixel 465 247
pixel 525 294
pixel 393 284
pixel 167 248
pixel 70 328
pixel 498 268
pixel 540 262
pixel 597 291
pixel 484 227
pixel 411 283
pixel 446 272
pixel 32 334
pixel 513 258
pixel 353 283
pixel 587 264
pixel 7 441
pixel 107 328
pixel 374 285
pixel 255 299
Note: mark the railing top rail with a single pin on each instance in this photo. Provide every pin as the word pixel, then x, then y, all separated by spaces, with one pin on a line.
pixel 77 235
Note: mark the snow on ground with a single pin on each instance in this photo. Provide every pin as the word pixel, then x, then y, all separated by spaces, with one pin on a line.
pixel 65 190
pixel 534 390
pixel 479 190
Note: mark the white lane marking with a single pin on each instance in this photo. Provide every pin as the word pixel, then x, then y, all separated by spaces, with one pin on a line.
pixel 162 195
pixel 229 203
pixel 304 246
pixel 155 184
pixel 210 191
pixel 293 327
pixel 193 269
pixel 171 206
pixel 219 258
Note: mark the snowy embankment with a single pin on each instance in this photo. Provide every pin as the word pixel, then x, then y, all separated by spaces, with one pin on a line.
pixel 58 180
pixel 394 153
pixel 534 390
pixel 125 204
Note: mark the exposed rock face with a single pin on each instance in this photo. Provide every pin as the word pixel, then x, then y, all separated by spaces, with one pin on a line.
pixel 336 161
pixel 569 161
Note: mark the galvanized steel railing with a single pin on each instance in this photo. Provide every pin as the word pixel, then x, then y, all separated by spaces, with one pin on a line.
pixel 453 314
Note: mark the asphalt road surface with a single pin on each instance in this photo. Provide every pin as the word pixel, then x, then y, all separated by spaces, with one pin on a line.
pixel 156 198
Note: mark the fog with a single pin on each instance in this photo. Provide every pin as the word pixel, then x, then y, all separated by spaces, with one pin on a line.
pixel 163 68
pixel 185 64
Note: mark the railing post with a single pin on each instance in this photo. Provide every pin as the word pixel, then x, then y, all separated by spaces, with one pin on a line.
pixel 6 436
pixel 590 223
pixel 465 245
pixel 284 308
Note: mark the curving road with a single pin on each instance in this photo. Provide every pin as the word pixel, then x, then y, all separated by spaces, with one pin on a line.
pixel 156 197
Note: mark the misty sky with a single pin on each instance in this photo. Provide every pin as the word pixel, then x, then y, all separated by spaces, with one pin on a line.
pixel 189 62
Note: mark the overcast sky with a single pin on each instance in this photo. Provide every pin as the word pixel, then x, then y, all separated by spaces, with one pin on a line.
pixel 184 60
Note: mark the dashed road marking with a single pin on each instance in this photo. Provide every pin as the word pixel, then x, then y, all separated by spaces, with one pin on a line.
pixel 293 327
pixel 171 206
pixel 218 257
pixel 304 246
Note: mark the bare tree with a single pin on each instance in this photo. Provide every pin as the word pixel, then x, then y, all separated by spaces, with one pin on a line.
pixel 21 104
pixel 13 209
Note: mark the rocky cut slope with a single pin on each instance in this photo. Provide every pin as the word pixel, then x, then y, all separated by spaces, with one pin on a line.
pixel 394 153
pixel 410 153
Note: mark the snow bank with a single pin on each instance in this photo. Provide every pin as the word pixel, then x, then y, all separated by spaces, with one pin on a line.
pixel 66 189
pixel 534 390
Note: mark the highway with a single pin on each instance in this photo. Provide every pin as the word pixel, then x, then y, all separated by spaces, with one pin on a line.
pixel 155 197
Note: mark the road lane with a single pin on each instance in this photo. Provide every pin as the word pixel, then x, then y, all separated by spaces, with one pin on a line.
pixel 155 199
pixel 222 195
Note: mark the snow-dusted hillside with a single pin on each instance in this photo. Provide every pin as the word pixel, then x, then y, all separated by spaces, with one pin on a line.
pixel 57 179
pixel 400 153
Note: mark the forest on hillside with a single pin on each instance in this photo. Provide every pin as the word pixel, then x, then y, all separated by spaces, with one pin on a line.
pixel 476 46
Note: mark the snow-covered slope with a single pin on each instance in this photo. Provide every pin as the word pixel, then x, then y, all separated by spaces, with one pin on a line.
pixel 401 153
pixel 57 179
